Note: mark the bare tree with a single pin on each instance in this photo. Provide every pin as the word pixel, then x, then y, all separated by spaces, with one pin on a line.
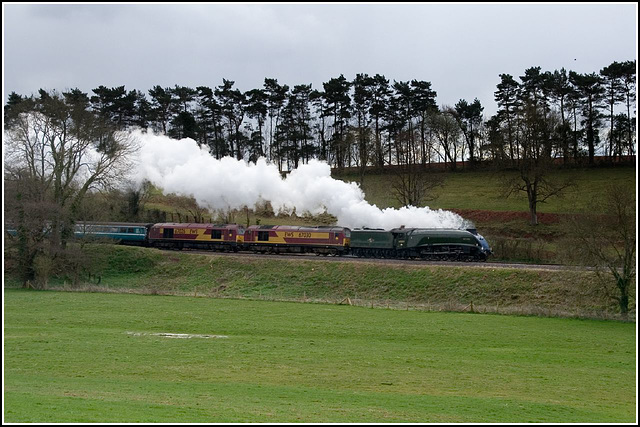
pixel 533 177
pixel 192 208
pixel 136 196
pixel 57 146
pixel 363 152
pixel 413 187
pixel 227 216
pixel 607 241
pixel 27 209
pixel 447 133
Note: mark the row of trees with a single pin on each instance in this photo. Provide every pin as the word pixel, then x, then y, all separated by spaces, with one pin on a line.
pixel 578 105
pixel 370 121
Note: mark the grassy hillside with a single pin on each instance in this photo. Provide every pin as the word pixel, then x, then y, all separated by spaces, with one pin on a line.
pixel 312 279
pixel 462 191
pixel 481 190
pixel 85 357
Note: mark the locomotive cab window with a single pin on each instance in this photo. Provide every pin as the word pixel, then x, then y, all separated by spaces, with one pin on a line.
pixel 263 235
pixel 216 234
pixel 167 233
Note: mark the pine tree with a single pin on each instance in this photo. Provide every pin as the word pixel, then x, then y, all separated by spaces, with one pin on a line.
pixel 591 91
pixel 507 98
pixel 614 94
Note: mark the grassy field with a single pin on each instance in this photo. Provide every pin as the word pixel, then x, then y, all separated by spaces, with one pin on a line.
pixel 91 357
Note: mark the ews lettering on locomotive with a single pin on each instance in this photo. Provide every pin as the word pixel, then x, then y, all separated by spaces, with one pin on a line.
pixel 186 231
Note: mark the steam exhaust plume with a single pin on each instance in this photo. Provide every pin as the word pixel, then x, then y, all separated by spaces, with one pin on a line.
pixel 181 167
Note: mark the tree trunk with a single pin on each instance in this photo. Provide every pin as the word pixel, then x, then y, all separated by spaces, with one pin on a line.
pixel 533 212
pixel 379 153
pixel 611 152
pixel 623 285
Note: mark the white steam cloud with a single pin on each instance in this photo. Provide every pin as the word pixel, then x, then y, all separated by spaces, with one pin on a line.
pixel 181 167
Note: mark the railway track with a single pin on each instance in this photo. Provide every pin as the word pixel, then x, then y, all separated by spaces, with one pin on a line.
pixel 388 261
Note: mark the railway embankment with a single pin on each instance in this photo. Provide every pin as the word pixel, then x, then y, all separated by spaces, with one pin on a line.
pixel 406 286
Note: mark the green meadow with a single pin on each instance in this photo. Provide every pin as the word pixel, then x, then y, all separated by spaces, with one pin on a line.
pixel 93 357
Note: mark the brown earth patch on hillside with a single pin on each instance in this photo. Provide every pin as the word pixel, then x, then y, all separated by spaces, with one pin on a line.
pixel 478 215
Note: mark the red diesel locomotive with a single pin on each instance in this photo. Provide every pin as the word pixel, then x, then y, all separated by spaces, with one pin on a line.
pixel 287 238
pixel 221 237
pixel 257 238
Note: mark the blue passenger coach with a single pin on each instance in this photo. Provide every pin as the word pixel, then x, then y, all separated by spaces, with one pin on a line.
pixel 127 233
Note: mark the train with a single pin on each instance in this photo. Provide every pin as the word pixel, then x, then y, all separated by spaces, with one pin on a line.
pixel 435 244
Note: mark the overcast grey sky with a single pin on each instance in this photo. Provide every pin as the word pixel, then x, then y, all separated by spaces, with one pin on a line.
pixel 460 48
